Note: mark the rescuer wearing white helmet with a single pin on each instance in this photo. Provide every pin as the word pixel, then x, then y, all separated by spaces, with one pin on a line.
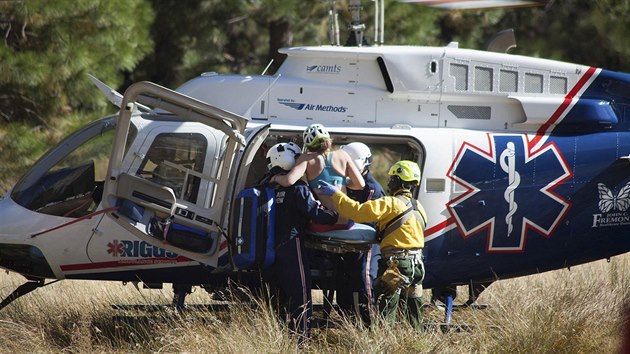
pixel 400 221
pixel 320 163
pixel 295 207
pixel 282 156
pixel 360 155
pixel 355 284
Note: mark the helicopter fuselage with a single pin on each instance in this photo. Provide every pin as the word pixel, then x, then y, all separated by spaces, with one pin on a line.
pixel 524 164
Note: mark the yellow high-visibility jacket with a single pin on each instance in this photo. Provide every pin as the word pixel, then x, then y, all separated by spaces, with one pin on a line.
pixel 410 235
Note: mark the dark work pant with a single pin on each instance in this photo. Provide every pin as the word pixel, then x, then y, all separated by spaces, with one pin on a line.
pixel 292 278
pixel 355 282
pixel 410 298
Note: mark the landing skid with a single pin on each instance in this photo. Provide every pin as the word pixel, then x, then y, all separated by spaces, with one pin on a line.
pixel 444 328
pixel 180 291
pixel 161 308
pixel 24 289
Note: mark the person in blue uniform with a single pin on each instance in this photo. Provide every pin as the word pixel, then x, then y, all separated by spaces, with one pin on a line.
pixel 295 206
pixel 359 269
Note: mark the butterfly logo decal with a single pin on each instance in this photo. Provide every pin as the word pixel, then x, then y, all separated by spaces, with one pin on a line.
pixel 608 201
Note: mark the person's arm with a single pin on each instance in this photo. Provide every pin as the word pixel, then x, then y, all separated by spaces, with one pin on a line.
pixel 312 208
pixel 294 175
pixel 370 211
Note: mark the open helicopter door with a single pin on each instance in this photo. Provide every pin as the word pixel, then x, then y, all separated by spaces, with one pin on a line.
pixel 182 214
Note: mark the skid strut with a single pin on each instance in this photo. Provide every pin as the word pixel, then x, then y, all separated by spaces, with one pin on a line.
pixel 23 290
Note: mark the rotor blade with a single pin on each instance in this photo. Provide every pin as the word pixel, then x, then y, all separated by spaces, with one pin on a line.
pixel 112 95
pixel 476 4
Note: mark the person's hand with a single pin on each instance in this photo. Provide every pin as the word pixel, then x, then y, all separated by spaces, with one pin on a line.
pixel 326 188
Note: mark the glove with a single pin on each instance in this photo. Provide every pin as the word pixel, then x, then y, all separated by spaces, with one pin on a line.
pixel 392 279
pixel 326 188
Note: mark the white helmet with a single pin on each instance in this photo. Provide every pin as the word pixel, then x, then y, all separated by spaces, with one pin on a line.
pixel 313 134
pixel 283 155
pixel 359 153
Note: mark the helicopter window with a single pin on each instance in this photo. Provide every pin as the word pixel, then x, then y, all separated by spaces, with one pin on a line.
pixel 68 181
pixel 176 160
pixel 508 81
pixel 460 73
pixel 433 66
pixel 483 79
pixel 533 83
pixel 558 85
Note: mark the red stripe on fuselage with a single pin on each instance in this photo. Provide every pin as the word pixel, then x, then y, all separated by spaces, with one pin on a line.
pixel 124 263
pixel 565 104
pixel 439 227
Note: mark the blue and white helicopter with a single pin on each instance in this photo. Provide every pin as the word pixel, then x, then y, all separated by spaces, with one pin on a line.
pixel 524 165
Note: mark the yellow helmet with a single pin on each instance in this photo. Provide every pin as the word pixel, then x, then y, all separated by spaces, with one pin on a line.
pixel 407 171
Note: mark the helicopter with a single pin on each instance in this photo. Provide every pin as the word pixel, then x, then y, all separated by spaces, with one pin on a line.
pixel 524 165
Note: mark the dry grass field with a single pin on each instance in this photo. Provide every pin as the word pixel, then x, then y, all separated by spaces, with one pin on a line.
pixel 566 311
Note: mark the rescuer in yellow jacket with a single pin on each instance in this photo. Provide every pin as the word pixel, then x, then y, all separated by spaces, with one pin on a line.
pixel 400 221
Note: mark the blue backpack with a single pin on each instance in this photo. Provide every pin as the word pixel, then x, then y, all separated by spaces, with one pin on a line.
pixel 253 228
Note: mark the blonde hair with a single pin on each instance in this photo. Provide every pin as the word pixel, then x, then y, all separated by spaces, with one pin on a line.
pixel 321 145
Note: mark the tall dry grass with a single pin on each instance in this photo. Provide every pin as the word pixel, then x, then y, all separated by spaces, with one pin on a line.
pixel 565 311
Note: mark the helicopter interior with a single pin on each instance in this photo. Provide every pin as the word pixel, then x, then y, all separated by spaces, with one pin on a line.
pixel 386 150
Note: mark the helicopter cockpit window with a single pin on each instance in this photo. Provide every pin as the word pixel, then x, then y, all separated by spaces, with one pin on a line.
pixel 176 160
pixel 68 181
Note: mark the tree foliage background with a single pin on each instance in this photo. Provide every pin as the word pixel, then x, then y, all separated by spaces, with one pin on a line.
pixel 48 47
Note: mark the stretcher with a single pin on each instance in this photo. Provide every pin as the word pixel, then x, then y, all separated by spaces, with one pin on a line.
pixel 358 238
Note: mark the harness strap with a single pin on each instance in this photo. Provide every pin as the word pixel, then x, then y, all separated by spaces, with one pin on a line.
pixel 401 253
pixel 400 219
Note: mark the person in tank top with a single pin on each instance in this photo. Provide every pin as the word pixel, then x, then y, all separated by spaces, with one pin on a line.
pixel 321 163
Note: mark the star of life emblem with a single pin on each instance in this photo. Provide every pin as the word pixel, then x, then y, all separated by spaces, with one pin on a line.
pixel 508 191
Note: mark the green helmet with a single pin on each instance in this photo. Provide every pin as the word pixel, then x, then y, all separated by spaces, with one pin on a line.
pixel 407 171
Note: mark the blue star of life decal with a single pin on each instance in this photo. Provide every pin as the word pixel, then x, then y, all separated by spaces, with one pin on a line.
pixel 508 191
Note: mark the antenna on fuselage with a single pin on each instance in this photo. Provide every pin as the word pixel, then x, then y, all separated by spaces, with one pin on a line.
pixel 379 21
pixel 356 37
pixel 334 23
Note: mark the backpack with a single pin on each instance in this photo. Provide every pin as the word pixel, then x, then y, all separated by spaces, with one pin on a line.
pixel 253 223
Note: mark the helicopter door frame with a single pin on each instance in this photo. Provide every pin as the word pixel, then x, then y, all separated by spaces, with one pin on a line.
pixel 140 206
pixel 255 140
